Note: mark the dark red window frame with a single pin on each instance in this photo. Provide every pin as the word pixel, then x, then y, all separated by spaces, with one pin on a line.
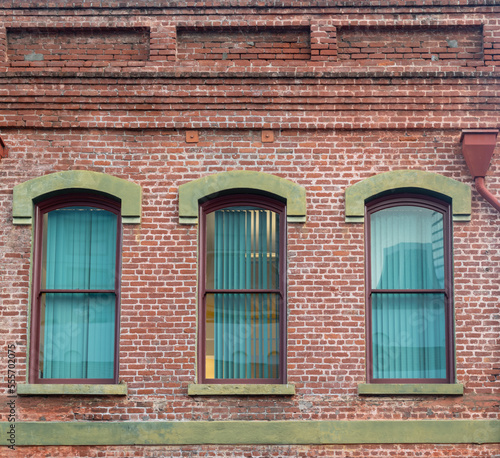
pixel 435 204
pixel 219 203
pixel 45 206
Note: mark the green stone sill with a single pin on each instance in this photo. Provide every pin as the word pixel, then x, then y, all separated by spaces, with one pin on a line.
pixel 26 389
pixel 240 390
pixel 392 389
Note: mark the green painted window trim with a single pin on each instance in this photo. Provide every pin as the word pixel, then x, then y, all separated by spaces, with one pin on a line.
pixel 244 432
pixel 26 389
pixel 223 389
pixel 25 194
pixel 458 193
pixel 191 193
pixel 393 389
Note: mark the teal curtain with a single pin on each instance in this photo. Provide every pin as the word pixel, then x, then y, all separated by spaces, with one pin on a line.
pixel 245 326
pixel 408 329
pixel 78 329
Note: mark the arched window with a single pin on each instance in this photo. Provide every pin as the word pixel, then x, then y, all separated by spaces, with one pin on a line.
pixel 409 290
pixel 242 290
pixel 76 279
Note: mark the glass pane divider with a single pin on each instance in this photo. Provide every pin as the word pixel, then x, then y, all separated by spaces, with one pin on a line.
pixel 242 291
pixel 70 291
pixel 407 291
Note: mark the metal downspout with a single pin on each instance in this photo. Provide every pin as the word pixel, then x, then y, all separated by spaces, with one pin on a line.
pixel 477 147
pixel 481 188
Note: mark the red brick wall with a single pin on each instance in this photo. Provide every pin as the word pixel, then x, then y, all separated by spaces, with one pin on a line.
pixel 335 122
pixel 325 270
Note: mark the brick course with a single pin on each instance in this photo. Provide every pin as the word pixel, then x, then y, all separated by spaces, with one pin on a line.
pixel 335 122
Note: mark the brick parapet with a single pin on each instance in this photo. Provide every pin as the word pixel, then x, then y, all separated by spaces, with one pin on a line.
pixel 161 42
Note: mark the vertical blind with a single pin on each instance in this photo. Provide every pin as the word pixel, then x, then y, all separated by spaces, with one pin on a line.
pixel 78 328
pixel 242 329
pixel 408 328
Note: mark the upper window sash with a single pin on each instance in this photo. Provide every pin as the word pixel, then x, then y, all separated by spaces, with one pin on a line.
pixel 255 284
pixel 78 293
pixel 416 279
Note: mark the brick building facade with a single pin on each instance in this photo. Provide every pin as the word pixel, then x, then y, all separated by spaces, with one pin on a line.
pixel 327 119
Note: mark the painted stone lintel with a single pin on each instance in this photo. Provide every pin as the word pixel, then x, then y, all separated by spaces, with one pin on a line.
pixel 24 194
pixel 242 390
pixel 26 389
pixel 394 389
pixel 253 432
pixel 192 192
pixel 407 180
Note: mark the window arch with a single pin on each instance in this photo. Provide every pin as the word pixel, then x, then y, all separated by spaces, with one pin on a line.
pixel 246 181
pixel 25 194
pixel 242 294
pixel 409 290
pixel 76 289
pixel 397 181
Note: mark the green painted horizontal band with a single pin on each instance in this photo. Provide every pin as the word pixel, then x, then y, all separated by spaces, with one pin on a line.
pixel 253 432
pixel 455 389
pixel 242 390
pixel 24 389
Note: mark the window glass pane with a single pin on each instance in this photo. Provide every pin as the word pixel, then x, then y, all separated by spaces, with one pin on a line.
pixel 77 330
pixel 79 249
pixel 77 335
pixel 408 335
pixel 242 336
pixel 407 248
pixel 242 249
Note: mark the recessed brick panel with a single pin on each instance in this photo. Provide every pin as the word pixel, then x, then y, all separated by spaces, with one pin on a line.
pixel 443 44
pixel 244 44
pixel 75 47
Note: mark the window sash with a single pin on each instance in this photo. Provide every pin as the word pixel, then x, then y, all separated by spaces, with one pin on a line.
pixel 242 336
pixel 408 337
pixel 76 291
pixel 77 336
pixel 409 297
pixel 242 292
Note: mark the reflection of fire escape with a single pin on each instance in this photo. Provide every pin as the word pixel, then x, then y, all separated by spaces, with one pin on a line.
pixel 417 272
